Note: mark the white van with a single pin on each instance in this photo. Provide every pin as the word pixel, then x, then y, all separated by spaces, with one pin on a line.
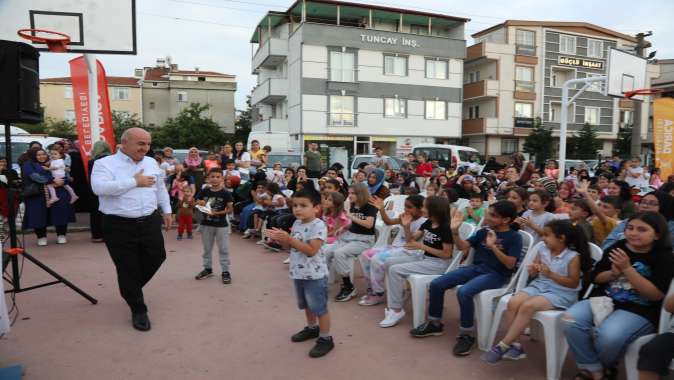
pixel 21 139
pixel 278 141
pixel 450 155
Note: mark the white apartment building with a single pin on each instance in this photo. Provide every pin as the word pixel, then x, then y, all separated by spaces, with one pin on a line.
pixel 514 73
pixel 353 76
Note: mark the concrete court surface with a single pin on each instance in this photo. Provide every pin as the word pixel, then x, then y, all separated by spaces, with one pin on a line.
pixel 206 330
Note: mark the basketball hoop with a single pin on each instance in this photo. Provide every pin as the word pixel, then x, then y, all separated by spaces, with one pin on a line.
pixel 58 44
pixel 643 91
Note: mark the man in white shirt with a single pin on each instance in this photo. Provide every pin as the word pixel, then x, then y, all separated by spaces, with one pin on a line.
pixel 130 188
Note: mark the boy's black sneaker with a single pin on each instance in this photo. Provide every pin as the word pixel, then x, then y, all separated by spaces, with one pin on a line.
pixel 180 237
pixel 464 345
pixel 273 246
pixel 345 294
pixel 322 347
pixel 306 334
pixel 206 273
pixel 226 278
pixel 189 236
pixel 427 329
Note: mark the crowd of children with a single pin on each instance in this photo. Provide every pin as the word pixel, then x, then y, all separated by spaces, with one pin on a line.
pixel 328 226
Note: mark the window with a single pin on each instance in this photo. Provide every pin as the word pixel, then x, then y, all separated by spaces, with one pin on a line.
pixel 509 146
pixel 69 116
pixel 182 96
pixel 524 79
pixel 395 65
pixel 151 105
pixel 524 110
pixel 626 117
pixel 474 112
pixel 154 84
pixel 120 93
pixel 595 49
pixel 394 107
pixel 595 86
pixel 341 110
pixel 592 115
pixel 473 76
pixel 125 115
pixel 567 44
pixel 436 68
pixel 201 79
pixel 342 66
pixel 525 44
pixel 68 92
pixel 419 29
pixel 560 75
pixel 435 110
pixel 556 112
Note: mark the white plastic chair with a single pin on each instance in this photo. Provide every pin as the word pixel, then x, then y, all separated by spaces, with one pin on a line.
pixel 556 346
pixel 394 205
pixel 484 301
pixel 632 353
pixel 419 282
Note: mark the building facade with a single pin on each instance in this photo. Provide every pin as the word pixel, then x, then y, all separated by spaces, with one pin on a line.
pixel 514 73
pixel 168 90
pixel 354 76
pixel 56 97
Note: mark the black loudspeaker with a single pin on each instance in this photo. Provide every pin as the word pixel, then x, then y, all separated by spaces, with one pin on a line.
pixel 19 83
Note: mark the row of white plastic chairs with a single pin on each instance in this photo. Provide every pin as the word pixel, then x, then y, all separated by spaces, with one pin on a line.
pixel 491 304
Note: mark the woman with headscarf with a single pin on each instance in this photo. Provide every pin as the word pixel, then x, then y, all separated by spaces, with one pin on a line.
pixel 38 216
pixel 101 149
pixel 194 166
pixel 375 184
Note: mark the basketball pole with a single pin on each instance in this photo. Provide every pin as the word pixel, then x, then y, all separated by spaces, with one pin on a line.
pixel 564 117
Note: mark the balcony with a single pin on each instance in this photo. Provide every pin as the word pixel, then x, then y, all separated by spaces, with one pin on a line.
pixel 479 126
pixel 480 89
pixel 271 91
pixel 526 54
pixel 488 50
pixel 271 125
pixel 270 54
pixel 525 90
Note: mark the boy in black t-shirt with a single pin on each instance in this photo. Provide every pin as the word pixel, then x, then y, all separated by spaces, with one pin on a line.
pixel 216 203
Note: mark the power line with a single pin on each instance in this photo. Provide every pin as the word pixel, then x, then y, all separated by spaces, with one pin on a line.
pixel 249 27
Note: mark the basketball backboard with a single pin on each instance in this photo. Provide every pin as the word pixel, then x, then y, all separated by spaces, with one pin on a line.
pixel 94 26
pixel 626 72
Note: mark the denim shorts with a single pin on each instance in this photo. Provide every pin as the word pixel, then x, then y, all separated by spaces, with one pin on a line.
pixel 312 295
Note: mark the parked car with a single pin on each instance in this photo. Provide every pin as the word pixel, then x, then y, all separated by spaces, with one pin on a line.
pixel 359 159
pixel 450 155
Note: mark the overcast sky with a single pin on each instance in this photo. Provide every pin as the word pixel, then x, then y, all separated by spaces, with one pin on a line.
pixel 215 34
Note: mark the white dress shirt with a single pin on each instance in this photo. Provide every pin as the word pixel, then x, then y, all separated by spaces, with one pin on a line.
pixel 112 180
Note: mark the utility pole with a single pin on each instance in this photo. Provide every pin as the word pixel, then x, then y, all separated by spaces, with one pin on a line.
pixel 635 145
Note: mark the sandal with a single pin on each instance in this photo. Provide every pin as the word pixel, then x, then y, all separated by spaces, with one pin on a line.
pixel 583 375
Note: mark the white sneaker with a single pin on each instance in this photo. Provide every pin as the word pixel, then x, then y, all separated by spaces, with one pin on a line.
pixel 392 318
pixel 260 242
pixel 286 261
pixel 61 239
pixel 42 242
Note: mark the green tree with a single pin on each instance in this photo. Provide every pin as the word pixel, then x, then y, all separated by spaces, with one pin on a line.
pixel 584 144
pixel 60 128
pixel 121 122
pixel 243 124
pixel 539 143
pixel 189 129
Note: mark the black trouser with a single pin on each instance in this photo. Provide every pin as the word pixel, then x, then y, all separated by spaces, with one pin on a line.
pixel 284 221
pixel 60 230
pixel 656 355
pixel 95 223
pixel 137 249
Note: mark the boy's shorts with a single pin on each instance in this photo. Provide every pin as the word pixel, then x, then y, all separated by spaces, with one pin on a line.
pixel 312 295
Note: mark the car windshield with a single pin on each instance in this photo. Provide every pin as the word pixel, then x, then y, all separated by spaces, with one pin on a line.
pixel 464 156
pixel 434 154
pixel 18 148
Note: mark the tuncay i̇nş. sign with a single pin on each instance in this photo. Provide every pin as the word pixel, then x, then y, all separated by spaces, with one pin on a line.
pixel 375 39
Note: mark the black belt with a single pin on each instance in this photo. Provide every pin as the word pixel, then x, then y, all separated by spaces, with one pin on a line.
pixel 141 219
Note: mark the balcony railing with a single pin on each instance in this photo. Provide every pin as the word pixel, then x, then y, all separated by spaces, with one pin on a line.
pixel 271 53
pixel 521 49
pixel 479 89
pixel 524 122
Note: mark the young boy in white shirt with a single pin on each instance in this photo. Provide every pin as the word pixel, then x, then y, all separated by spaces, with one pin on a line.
pixel 308 269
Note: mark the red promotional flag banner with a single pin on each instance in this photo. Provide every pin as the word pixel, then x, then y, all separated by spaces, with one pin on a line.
pixel 86 129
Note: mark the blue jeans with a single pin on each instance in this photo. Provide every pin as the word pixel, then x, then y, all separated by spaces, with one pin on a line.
pixel 245 216
pixel 312 295
pixel 599 347
pixel 474 278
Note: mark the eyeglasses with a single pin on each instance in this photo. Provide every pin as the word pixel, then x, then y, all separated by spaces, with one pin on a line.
pixel 650 203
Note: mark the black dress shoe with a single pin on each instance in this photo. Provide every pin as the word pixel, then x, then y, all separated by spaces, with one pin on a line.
pixel 141 321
